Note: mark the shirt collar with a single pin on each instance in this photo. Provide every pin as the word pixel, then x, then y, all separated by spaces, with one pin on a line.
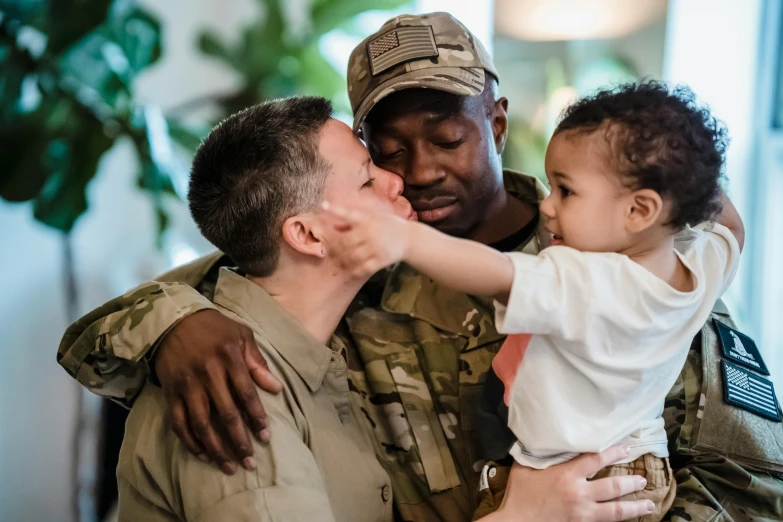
pixel 308 357
pixel 409 292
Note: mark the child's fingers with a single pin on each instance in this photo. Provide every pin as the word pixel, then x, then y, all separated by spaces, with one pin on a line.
pixel 351 217
pixel 334 222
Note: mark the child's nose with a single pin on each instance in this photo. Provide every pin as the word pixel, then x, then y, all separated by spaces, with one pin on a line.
pixel 547 208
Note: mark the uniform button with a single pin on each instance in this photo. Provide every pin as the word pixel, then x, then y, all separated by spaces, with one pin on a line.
pixel 385 493
pixel 493 472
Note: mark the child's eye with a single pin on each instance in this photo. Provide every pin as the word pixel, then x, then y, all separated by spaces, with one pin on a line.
pixel 564 191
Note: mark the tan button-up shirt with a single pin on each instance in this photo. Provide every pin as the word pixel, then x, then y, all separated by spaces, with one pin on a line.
pixel 319 465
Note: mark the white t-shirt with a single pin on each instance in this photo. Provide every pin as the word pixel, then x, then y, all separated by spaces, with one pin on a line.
pixel 609 340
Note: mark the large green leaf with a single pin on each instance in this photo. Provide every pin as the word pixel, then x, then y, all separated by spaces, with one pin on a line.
pixel 70 20
pixel 30 147
pixel 101 66
pixel 95 71
pixel 136 32
pixel 23 173
pixel 14 72
pixel 73 164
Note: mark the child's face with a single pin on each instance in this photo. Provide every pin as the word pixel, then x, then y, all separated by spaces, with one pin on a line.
pixel 588 206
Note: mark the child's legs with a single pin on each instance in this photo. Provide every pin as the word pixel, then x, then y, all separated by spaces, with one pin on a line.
pixel 661 486
pixel 494 478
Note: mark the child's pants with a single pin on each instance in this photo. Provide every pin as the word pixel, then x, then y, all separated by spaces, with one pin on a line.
pixel 660 488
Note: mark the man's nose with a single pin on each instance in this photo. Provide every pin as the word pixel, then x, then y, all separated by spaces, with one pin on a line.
pixel 423 170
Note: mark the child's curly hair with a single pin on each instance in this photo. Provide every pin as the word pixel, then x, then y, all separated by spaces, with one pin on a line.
pixel 661 139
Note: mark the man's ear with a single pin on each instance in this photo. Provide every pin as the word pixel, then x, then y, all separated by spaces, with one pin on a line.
pixel 303 233
pixel 645 210
pixel 499 118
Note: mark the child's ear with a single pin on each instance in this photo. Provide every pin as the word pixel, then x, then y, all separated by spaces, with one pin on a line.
pixel 304 233
pixel 645 210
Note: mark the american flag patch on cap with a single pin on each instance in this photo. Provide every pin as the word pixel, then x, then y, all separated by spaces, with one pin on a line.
pixel 400 45
pixel 750 392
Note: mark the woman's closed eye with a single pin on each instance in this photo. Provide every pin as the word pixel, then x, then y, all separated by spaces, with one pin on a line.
pixel 368 183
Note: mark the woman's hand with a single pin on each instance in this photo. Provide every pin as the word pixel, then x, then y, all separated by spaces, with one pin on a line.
pixel 563 493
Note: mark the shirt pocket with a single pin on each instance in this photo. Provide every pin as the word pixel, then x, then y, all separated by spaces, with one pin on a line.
pixel 475 362
pixel 435 461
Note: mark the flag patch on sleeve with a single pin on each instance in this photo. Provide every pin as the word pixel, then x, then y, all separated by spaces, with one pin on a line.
pixel 748 391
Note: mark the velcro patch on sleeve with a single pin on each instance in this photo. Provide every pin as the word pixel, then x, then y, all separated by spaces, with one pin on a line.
pixel 750 392
pixel 740 348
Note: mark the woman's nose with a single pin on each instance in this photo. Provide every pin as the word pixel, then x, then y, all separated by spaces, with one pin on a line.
pixel 394 184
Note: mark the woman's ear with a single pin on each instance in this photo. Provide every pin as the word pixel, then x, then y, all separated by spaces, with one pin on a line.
pixel 303 233
pixel 646 208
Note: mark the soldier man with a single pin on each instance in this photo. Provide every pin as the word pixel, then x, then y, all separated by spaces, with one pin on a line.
pixel 424 95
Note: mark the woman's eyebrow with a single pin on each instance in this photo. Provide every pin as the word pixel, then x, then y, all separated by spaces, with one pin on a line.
pixel 365 165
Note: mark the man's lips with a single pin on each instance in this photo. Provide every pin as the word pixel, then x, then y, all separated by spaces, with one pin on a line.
pixel 435 209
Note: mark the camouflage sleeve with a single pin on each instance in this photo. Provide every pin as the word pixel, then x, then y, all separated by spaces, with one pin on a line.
pixel 109 349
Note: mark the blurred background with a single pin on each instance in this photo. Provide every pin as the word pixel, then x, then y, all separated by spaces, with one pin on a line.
pixel 102 103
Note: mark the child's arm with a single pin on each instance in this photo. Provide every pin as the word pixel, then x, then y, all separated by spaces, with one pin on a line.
pixel 367 243
pixel 461 264
pixel 730 218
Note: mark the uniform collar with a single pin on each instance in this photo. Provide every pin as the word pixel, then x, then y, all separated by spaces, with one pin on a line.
pixel 308 357
pixel 411 293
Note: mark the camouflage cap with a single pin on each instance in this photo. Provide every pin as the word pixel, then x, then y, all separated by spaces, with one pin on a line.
pixel 431 51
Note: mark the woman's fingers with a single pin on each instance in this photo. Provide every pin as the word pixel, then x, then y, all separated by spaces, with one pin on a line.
pixel 589 464
pixel 622 510
pixel 614 487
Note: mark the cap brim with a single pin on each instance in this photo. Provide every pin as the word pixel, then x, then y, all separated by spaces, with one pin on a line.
pixel 441 79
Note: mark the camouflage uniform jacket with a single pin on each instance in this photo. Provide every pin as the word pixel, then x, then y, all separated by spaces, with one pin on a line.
pixel 417 356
